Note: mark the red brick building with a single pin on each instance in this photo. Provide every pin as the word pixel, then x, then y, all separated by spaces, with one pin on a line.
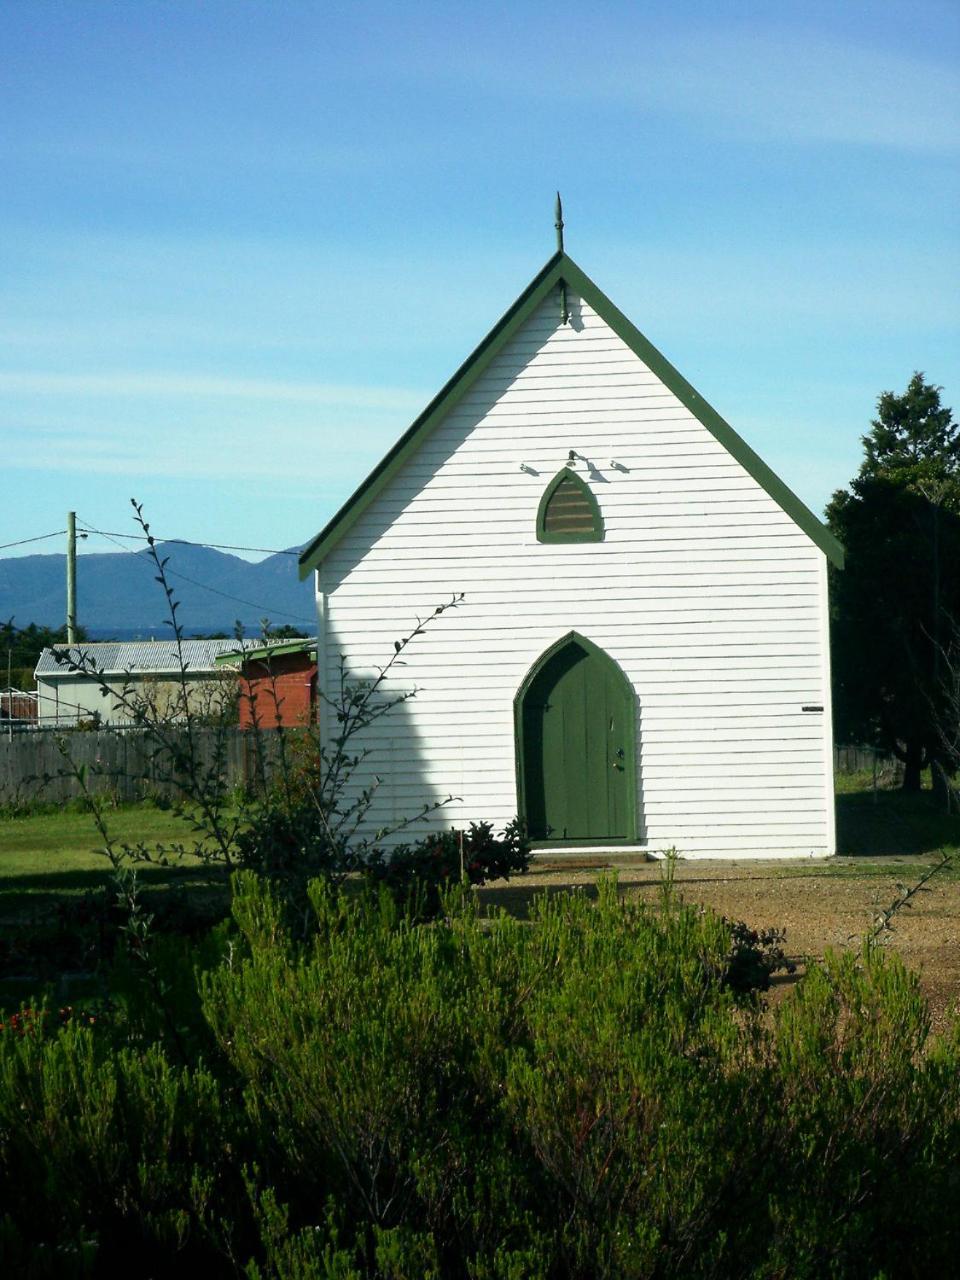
pixel 278 683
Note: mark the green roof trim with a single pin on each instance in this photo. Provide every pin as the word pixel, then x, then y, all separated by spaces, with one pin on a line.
pixel 264 652
pixel 735 445
pixel 561 269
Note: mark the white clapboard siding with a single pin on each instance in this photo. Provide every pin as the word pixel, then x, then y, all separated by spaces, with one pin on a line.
pixel 708 595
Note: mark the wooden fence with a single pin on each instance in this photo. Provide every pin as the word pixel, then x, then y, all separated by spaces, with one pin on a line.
pixel 855 759
pixel 124 764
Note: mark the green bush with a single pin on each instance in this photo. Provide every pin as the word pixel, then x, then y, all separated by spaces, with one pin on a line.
pixel 419 873
pixel 583 1094
pixel 108 1155
pixel 755 956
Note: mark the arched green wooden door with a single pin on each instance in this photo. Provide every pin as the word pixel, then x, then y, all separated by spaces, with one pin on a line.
pixel 576 758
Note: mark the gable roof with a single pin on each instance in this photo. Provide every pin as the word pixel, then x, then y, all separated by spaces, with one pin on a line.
pixel 562 269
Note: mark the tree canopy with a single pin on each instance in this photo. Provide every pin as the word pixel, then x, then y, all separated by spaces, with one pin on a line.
pixel 896 601
pixel 20 649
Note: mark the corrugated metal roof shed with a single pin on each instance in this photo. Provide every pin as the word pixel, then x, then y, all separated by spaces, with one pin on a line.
pixel 138 657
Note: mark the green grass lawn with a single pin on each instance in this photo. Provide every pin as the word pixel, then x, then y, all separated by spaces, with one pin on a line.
pixel 54 885
pixel 51 870
pixel 47 857
pixel 56 853
pixel 886 822
pixel 67 842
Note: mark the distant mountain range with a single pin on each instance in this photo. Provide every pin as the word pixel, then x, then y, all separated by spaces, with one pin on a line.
pixel 118 597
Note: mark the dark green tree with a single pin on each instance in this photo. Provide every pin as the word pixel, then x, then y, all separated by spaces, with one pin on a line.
pixel 20 649
pixel 895 602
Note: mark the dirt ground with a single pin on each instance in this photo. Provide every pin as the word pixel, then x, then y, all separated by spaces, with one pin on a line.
pixel 819 904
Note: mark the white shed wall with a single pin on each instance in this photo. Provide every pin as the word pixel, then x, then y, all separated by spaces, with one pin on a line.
pixel 67 699
pixel 704 591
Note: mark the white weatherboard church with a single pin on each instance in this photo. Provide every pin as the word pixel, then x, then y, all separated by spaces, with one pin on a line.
pixel 641 658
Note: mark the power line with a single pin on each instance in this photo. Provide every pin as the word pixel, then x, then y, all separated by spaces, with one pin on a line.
pixel 58 534
pixel 185 542
pixel 282 613
pixel 112 537
pixel 298 617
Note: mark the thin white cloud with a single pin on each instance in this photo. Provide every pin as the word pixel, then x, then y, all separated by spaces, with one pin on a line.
pixel 772 84
pixel 186 385
pixel 275 154
pixel 333 447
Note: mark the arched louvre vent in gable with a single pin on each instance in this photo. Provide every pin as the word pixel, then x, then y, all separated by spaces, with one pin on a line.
pixel 568 511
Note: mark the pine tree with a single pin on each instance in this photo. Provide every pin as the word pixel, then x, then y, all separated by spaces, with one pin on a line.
pixel 897 599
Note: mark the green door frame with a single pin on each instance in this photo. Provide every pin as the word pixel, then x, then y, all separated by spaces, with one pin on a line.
pixel 630 762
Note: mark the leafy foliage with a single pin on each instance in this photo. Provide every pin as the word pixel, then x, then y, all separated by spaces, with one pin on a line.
pixel 913 439
pixel 304 814
pixel 579 1095
pixel 421 872
pixel 899 521
pixel 755 956
pixel 20 647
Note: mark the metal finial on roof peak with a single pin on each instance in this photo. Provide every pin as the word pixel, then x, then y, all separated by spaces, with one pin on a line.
pixel 558 223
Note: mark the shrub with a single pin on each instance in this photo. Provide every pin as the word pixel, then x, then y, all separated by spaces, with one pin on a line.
pixel 109 1159
pixel 755 956
pixel 868 1126
pixel 304 814
pixel 420 872
pixel 581 1095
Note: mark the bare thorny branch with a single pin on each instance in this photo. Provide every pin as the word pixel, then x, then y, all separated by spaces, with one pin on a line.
pixel 138 922
pixel 883 920
pixel 173 731
pixel 218 817
pixel 358 705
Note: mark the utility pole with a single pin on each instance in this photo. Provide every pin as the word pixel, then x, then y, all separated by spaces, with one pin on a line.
pixel 71 577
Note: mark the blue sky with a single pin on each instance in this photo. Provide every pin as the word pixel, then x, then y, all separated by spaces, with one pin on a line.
pixel 242 244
